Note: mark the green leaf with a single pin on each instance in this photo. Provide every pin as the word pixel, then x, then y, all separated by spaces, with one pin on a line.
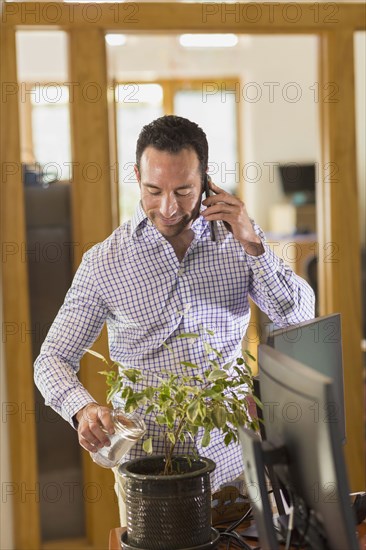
pixel 106 372
pixel 247 352
pixel 205 441
pixel 218 353
pixel 212 393
pixel 147 446
pixel 210 332
pixel 188 335
pixel 238 371
pixel 240 361
pixel 171 437
pixel 227 366
pixel 219 416
pixel 131 374
pixel 160 419
pixel 96 354
pixel 257 401
pixel 217 375
pixel 209 349
pixel 130 405
pixel 179 397
pixel 193 410
pixel 228 437
pixel 149 392
pixel 111 394
pixel 189 364
pixel 171 416
pixel 127 392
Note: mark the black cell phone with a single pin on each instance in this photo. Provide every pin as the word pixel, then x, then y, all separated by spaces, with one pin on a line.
pixel 208 192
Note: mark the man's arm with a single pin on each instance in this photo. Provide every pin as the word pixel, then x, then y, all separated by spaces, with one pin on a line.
pixel 285 297
pixel 76 327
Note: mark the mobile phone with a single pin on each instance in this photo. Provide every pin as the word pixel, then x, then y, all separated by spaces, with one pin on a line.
pixel 208 193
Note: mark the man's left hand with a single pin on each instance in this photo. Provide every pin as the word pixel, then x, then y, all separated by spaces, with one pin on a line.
pixel 232 211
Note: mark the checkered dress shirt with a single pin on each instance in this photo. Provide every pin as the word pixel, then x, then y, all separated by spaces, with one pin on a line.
pixel 134 282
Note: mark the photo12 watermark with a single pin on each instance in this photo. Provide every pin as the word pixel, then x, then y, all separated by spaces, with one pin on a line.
pixel 270 92
pixel 53 13
pixel 252 13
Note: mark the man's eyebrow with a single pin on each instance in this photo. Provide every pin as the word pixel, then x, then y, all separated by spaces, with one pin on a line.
pixel 184 186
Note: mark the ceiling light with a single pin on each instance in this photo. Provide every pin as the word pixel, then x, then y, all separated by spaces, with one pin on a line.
pixel 115 39
pixel 208 40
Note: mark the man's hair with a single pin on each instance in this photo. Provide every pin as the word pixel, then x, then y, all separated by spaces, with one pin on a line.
pixel 172 134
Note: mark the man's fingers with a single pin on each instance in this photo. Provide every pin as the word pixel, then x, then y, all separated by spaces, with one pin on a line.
pixel 215 187
pixel 99 434
pixel 91 447
pixel 94 421
pixel 105 417
pixel 218 209
pixel 222 198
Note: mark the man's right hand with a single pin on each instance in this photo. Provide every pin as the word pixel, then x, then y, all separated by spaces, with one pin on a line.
pixel 91 419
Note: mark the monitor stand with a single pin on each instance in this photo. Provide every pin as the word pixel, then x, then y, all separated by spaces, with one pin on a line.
pixel 281 523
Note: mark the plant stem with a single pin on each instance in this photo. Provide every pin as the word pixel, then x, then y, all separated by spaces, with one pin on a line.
pixel 168 469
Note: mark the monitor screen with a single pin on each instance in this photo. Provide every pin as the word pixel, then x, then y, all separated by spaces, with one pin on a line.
pixel 298 178
pixel 296 402
pixel 317 344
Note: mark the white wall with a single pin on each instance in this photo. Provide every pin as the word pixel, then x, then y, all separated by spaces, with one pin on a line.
pixel 276 128
pixel 281 128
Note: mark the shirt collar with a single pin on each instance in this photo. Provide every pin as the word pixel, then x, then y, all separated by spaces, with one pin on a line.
pixel 139 218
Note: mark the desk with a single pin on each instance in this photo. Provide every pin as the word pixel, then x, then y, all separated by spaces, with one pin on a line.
pixel 115 537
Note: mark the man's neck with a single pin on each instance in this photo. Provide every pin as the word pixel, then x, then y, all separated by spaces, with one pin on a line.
pixel 181 243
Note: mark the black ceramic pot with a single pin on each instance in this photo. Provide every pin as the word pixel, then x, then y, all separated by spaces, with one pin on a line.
pixel 168 512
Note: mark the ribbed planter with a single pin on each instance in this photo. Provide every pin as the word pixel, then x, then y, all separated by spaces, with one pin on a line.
pixel 168 512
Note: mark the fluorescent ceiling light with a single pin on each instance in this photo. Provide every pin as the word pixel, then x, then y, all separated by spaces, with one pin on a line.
pixel 115 39
pixel 208 40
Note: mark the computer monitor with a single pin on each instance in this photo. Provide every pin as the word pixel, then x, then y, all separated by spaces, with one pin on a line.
pixel 304 445
pixel 317 344
pixel 254 467
pixel 298 181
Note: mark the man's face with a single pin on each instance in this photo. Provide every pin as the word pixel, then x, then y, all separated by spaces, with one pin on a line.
pixel 171 189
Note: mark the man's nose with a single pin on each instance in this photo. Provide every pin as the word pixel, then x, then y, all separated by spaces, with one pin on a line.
pixel 168 206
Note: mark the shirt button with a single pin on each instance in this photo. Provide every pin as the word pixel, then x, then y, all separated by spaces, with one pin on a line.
pixel 180 272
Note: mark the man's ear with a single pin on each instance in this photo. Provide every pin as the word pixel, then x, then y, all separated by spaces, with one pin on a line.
pixel 137 174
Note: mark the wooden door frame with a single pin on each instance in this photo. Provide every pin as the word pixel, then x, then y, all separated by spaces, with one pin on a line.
pixel 340 288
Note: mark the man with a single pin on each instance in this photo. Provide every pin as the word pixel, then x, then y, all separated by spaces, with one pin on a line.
pixel 160 275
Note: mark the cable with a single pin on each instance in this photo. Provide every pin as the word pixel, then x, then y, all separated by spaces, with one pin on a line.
pixel 235 538
pixel 290 526
pixel 239 521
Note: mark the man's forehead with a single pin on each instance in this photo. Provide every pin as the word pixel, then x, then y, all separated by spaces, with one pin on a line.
pixel 151 153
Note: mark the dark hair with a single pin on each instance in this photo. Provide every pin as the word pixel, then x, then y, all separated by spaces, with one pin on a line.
pixel 172 134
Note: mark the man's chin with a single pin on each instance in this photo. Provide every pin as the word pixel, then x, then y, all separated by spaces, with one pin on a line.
pixel 171 230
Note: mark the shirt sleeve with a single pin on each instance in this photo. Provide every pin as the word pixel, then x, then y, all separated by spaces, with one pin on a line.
pixel 75 328
pixel 285 297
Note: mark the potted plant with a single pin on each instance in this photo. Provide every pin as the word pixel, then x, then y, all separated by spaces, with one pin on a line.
pixel 206 397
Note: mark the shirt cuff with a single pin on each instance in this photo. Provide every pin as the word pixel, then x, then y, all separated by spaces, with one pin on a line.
pixel 77 399
pixel 266 264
